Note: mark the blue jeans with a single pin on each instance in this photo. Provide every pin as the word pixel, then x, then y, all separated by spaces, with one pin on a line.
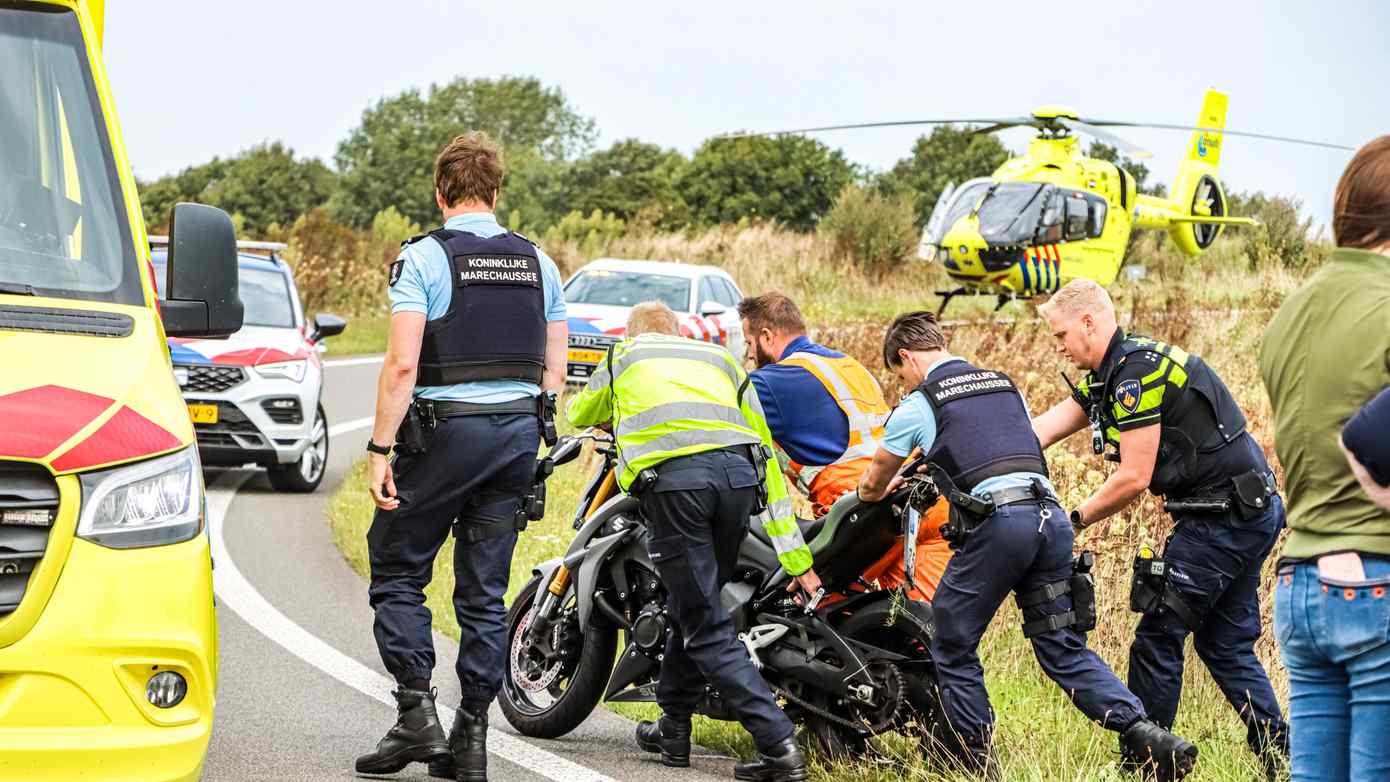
pixel 1335 640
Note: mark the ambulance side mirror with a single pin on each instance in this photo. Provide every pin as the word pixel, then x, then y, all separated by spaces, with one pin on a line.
pixel 202 298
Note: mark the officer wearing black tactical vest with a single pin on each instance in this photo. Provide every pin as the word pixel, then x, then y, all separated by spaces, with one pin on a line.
pixel 475 354
pixel 1009 535
pixel 1176 430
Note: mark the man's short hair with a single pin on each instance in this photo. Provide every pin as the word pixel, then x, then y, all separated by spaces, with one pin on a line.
pixel 652 317
pixel 912 331
pixel 1078 297
pixel 774 311
pixel 469 168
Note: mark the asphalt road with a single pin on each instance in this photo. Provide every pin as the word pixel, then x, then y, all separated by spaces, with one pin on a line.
pixel 301 690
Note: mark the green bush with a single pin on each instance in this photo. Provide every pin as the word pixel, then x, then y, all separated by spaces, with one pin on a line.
pixel 339 268
pixel 873 231
pixel 1282 239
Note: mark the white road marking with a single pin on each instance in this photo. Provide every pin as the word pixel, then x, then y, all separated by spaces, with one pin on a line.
pixel 348 362
pixel 239 595
pixel 350 426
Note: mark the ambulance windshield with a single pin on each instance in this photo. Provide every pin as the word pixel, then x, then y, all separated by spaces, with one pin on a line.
pixel 63 226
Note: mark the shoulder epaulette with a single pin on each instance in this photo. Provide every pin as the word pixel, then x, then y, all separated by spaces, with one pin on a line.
pixel 523 236
pixel 413 240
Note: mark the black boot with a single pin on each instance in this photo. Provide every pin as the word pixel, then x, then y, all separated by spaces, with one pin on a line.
pixel 669 736
pixel 1273 751
pixel 784 764
pixel 416 736
pixel 467 759
pixel 1158 754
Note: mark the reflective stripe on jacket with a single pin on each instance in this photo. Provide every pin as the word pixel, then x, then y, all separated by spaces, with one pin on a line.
pixel 861 401
pixel 671 396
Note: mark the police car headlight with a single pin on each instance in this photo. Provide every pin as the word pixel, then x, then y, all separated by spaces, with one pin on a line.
pixel 294 370
pixel 149 503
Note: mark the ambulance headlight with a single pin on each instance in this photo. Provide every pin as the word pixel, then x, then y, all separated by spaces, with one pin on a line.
pixel 149 503
pixel 293 370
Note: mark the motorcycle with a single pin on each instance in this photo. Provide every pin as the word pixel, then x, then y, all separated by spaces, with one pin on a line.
pixel 846 670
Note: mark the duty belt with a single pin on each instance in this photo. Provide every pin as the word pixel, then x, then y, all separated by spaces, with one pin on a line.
pixel 1016 494
pixel 1246 494
pixel 438 408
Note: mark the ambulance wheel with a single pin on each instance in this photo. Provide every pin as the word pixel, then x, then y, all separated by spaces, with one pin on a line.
pixel 306 474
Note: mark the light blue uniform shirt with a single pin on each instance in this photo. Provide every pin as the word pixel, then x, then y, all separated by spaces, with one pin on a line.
pixel 426 285
pixel 913 425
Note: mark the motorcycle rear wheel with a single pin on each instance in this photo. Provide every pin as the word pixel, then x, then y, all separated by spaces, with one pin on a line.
pixel 575 689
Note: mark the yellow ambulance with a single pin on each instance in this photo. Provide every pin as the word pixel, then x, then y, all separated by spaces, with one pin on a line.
pixel 108 637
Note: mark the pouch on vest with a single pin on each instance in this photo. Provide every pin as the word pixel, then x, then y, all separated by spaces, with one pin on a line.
pixel 1253 490
pixel 1150 590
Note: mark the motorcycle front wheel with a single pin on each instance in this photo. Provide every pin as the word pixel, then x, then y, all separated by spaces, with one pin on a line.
pixel 548 701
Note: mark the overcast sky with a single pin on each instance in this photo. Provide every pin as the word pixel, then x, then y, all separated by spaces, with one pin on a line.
pixel 198 79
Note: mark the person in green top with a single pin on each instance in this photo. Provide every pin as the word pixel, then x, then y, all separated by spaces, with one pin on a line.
pixel 693 446
pixel 1326 352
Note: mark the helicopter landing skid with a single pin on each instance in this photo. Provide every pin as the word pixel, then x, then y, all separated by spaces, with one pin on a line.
pixel 946 296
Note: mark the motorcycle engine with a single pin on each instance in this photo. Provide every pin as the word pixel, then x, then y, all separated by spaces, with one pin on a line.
pixel 649 630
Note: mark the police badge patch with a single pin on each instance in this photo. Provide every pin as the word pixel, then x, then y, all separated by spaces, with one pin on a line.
pixel 1127 394
pixel 395 274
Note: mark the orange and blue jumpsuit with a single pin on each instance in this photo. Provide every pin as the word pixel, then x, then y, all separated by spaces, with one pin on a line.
pixel 826 414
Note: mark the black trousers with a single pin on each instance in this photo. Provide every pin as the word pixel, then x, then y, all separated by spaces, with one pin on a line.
pixel 697 515
pixel 1214 563
pixel 1016 550
pixel 476 472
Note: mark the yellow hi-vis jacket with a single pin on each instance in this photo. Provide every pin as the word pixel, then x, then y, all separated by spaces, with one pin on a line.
pixel 861 400
pixel 671 396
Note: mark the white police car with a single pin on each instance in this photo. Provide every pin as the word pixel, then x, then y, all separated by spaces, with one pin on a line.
pixel 255 396
pixel 600 295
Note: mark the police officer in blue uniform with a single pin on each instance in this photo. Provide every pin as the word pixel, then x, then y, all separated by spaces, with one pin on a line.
pixel 1009 535
pixel 1179 434
pixel 475 353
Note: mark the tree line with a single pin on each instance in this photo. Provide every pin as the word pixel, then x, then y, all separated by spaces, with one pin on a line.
pixel 553 169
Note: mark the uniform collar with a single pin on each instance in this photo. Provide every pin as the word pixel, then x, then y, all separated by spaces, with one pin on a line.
pixel 1113 354
pixel 471 220
pixel 800 343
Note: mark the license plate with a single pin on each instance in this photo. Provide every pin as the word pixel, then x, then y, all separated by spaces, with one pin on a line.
pixel 585 356
pixel 203 414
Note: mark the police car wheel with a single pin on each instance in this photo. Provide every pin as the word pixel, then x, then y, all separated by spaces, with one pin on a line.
pixel 568 696
pixel 306 474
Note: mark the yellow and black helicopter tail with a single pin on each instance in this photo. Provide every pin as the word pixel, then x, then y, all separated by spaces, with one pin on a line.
pixel 1198 208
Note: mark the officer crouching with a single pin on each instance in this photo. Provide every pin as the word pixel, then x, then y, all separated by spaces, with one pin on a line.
pixel 477 331
pixel 1010 535
pixel 1178 433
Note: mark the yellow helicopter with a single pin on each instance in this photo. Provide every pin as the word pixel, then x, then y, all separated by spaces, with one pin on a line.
pixel 1054 215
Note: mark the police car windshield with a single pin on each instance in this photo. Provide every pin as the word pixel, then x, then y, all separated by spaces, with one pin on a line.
pixel 625 289
pixel 264 294
pixel 63 226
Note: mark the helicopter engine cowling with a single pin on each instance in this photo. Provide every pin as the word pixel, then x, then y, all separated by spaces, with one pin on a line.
pixel 1208 199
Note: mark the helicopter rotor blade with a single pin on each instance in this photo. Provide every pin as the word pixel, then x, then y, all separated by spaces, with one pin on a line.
pixel 1006 122
pixel 1166 126
pixel 1119 142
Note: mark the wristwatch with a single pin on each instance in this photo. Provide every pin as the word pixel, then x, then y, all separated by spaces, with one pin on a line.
pixel 1076 519
pixel 384 450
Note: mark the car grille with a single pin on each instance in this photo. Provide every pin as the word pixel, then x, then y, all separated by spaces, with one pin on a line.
pixel 284 410
pixel 211 378
pixel 593 341
pixel 28 507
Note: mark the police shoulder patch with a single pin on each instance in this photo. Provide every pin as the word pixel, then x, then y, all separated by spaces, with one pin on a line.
pixel 394 276
pixel 1128 393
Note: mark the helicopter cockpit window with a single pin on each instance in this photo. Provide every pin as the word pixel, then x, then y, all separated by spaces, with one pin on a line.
pixel 1078 217
pixel 1095 224
pixel 1011 212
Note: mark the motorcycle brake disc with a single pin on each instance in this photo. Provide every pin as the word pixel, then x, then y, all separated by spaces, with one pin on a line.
pixel 521 666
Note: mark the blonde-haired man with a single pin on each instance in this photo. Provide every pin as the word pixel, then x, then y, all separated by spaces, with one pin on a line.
pixel 1177 432
pixel 693 447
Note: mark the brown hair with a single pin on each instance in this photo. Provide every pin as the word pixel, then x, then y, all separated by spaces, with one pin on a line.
pixel 1361 208
pixel 912 331
pixel 652 317
pixel 469 168
pixel 775 311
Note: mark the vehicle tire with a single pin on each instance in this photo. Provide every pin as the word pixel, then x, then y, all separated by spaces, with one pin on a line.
pixel 906 630
pixel 575 689
pixel 306 474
